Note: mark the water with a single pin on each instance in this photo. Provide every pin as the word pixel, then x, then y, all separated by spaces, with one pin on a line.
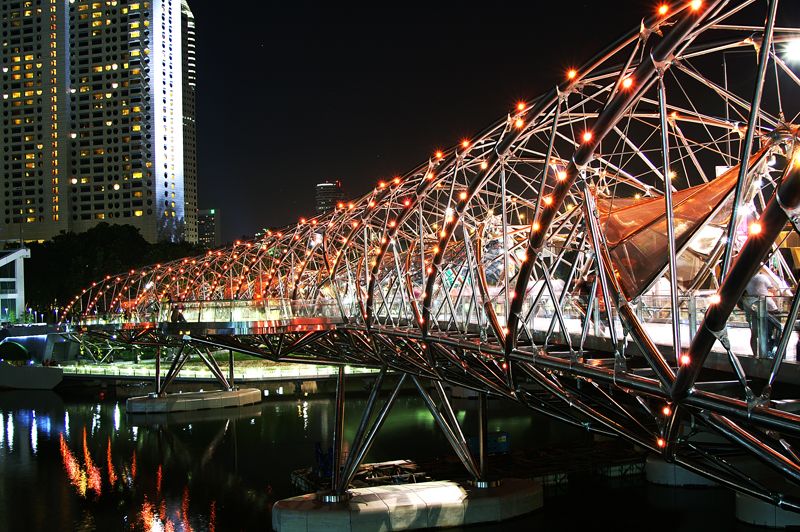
pixel 78 464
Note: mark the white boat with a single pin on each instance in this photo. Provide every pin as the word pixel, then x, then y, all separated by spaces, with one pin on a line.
pixel 29 377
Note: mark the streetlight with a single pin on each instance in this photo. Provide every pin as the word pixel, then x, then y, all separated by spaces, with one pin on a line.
pixel 791 52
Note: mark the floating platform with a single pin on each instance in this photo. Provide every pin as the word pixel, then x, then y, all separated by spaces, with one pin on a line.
pixel 185 402
pixel 29 377
pixel 409 507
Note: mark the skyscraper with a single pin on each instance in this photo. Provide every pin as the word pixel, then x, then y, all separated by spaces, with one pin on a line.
pixel 209 233
pixel 189 125
pixel 328 194
pixel 94 117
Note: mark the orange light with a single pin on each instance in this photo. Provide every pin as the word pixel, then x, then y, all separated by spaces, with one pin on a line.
pixel 520 106
pixel 439 154
pixel 340 205
pixel 661 443
pixel 396 180
pixel 572 73
pixel 465 143
pixel 663 9
pixel 696 4
pixel 685 360
pixel 562 175
pixel 302 220
pixel 518 123
pixel 406 202
pixel 627 83
pixel 714 299
pixel 381 184
pixel 754 229
pixel 587 136
pixel 667 411
pixel 484 165
pixel 536 226
pixel 548 200
pixel 463 195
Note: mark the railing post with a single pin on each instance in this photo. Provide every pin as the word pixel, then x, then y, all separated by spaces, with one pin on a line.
pixel 761 316
pixel 692 314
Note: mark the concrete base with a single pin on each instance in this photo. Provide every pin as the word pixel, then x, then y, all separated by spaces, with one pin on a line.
pixel 760 513
pixel 408 507
pixel 183 402
pixel 659 471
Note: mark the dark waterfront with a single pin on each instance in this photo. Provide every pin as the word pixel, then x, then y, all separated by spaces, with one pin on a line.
pixel 82 464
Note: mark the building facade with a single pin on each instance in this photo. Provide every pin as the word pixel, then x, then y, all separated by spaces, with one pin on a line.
pixel 209 228
pixel 189 123
pixel 328 194
pixel 93 95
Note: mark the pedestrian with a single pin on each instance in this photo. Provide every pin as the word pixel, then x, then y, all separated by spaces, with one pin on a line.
pixel 762 285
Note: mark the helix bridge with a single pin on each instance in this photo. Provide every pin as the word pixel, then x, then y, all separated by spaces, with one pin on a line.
pixel 584 255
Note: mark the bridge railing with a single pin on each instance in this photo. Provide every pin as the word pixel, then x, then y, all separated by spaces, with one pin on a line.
pixel 225 311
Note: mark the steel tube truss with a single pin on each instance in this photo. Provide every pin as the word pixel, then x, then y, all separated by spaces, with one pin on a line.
pixel 551 259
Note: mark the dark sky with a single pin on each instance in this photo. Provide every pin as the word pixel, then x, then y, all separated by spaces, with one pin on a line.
pixel 292 93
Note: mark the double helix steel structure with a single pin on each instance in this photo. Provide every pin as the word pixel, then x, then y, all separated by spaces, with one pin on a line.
pixel 523 262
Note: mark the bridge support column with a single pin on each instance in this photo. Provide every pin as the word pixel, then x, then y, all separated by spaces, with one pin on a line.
pixel 158 370
pixel 447 421
pixel 483 426
pixel 230 369
pixel 365 435
pixel 337 495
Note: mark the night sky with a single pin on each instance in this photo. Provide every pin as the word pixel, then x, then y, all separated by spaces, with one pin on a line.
pixel 291 93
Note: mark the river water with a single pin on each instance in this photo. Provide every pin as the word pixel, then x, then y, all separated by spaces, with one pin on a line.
pixel 83 464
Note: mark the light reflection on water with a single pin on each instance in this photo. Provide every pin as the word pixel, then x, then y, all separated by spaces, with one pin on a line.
pixel 103 470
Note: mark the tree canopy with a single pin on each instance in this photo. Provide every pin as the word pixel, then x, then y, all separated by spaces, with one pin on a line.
pixel 62 267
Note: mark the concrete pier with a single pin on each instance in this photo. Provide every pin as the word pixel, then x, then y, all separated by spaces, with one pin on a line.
pixel 659 471
pixel 183 402
pixel 408 507
pixel 760 513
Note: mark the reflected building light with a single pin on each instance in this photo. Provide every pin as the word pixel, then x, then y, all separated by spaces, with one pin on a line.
pixel 66 424
pixel 112 475
pixel 34 435
pixel 44 424
pixel 10 432
pixel 2 430
pixel 135 432
pixel 116 417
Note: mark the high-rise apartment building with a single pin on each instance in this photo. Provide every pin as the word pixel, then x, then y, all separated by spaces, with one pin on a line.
pixel 328 194
pixel 93 117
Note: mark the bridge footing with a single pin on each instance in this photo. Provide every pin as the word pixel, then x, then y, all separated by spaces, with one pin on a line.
pixel 183 402
pixel 659 471
pixel 409 506
pixel 761 513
